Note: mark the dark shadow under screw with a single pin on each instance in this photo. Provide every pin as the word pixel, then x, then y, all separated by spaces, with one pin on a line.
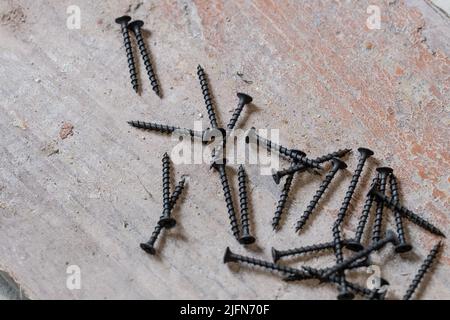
pixel 123 21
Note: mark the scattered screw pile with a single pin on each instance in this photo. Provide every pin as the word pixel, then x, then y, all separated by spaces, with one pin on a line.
pixel 382 183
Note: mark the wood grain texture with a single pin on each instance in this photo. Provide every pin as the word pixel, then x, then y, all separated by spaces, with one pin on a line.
pixel 314 70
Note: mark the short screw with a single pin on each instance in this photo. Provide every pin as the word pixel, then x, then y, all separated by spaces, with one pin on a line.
pixel 383 173
pixel 390 238
pixel 149 246
pixel 166 221
pixel 123 21
pixel 402 246
pixel 422 271
pixel 246 237
pixel 408 214
pixel 163 128
pixel 228 198
pixel 207 96
pixel 355 243
pixel 136 26
pixel 337 165
pixel 244 99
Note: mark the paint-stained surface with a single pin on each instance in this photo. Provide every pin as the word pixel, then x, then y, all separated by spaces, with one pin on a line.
pixel 315 71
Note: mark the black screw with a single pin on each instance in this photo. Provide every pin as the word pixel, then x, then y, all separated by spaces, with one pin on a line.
pixel 165 128
pixel 233 257
pixel 282 201
pixel 355 243
pixel 166 221
pixel 243 100
pixel 207 96
pixel 390 238
pixel 136 26
pixel 383 173
pixel 228 198
pixel 422 271
pixel 246 237
pixel 337 164
pixel 402 246
pixel 123 21
pixel 408 214
pixel 149 245
pixel 364 153
pixel 344 293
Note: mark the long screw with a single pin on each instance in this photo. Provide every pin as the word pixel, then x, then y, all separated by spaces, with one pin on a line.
pixel 166 221
pixel 290 153
pixel 149 246
pixel 136 26
pixel 228 198
pixel 402 246
pixel 243 100
pixel 383 173
pixel 151 126
pixel 337 164
pixel 123 21
pixel 344 293
pixel 277 175
pixel 246 237
pixel 207 96
pixel 422 271
pixel 408 214
pixel 277 254
pixel 282 201
pixel 355 243
pixel 340 266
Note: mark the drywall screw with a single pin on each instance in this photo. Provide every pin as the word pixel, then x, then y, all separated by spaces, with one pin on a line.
pixel 149 246
pixel 163 128
pixel 364 153
pixel 123 21
pixel 246 237
pixel 233 257
pixel 344 293
pixel 355 243
pixel 136 26
pixel 390 238
pixel 207 96
pixel 166 221
pixel 243 100
pixel 383 173
pixel 290 153
pixel 277 254
pixel 408 214
pixel 277 175
pixel 282 201
pixel 337 164
pixel 422 271
pixel 402 246
pixel 228 198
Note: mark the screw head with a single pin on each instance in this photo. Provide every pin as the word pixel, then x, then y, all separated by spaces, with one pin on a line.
pixel 338 163
pixel 228 256
pixel 385 170
pixel 275 255
pixel 346 295
pixel 247 239
pixel 123 19
pixel 365 151
pixel 354 246
pixel 136 24
pixel 275 176
pixel 148 248
pixel 167 223
pixel 372 190
pixel 244 98
pixel 403 247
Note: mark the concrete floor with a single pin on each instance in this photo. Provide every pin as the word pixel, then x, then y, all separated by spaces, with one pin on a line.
pixel 315 71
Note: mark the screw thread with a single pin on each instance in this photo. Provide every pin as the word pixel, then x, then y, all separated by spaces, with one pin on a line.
pixel 301 250
pixel 424 268
pixel 228 200
pixel 243 201
pixel 337 154
pixel 207 96
pixel 147 61
pixel 378 222
pixel 234 118
pixel 397 216
pixel 166 185
pixel 130 58
pixel 282 201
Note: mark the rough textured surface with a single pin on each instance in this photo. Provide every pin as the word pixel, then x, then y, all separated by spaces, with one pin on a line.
pixel 314 70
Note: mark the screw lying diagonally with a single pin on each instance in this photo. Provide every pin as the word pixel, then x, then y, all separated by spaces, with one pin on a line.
pixel 246 237
pixel 149 246
pixel 383 173
pixel 165 128
pixel 166 221
pixel 402 246
pixel 123 21
pixel 244 99
pixel 136 26
pixel 300 167
pixel 207 96
pixel 355 243
pixel 408 214
pixel 337 165
pixel 422 271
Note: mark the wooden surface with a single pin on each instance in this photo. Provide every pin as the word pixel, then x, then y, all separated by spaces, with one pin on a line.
pixel 315 71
